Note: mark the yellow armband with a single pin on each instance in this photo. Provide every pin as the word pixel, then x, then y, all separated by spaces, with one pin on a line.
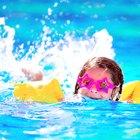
pixel 131 92
pixel 50 92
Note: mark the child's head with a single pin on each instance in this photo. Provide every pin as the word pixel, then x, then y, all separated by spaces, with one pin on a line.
pixel 100 78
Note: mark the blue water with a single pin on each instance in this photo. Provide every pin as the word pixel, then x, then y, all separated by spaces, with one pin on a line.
pixel 100 120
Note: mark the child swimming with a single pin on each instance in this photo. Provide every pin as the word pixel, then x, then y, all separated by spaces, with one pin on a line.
pixel 100 79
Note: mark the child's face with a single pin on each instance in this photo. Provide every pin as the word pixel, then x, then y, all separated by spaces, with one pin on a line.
pixel 96 84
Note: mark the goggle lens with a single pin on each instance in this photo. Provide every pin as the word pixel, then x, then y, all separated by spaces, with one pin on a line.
pixel 101 85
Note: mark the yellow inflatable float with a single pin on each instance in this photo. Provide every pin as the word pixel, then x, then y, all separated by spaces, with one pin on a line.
pixel 131 92
pixel 52 92
pixel 39 92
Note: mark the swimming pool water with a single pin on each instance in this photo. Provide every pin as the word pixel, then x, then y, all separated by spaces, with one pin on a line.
pixel 100 120
pixel 89 119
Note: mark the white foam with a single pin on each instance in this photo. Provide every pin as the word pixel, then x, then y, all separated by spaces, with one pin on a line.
pixel 66 55
pixel 2 21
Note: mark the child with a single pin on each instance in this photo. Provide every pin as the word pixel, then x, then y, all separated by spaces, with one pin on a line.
pixel 100 79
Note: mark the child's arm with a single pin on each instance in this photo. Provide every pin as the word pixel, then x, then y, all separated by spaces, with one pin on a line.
pixel 32 75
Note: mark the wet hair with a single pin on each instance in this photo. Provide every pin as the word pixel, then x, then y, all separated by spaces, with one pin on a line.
pixel 106 63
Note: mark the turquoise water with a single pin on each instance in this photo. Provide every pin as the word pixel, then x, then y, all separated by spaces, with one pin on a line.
pixel 31 31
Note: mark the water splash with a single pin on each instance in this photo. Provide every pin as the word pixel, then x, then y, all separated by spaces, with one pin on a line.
pixel 61 59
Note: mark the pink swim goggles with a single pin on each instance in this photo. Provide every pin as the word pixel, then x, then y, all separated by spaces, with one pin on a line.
pixel 101 85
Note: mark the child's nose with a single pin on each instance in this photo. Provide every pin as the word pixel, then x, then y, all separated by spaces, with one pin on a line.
pixel 93 88
pixel 93 91
pixel 95 94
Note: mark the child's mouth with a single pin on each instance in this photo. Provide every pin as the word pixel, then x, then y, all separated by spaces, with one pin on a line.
pixel 96 98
